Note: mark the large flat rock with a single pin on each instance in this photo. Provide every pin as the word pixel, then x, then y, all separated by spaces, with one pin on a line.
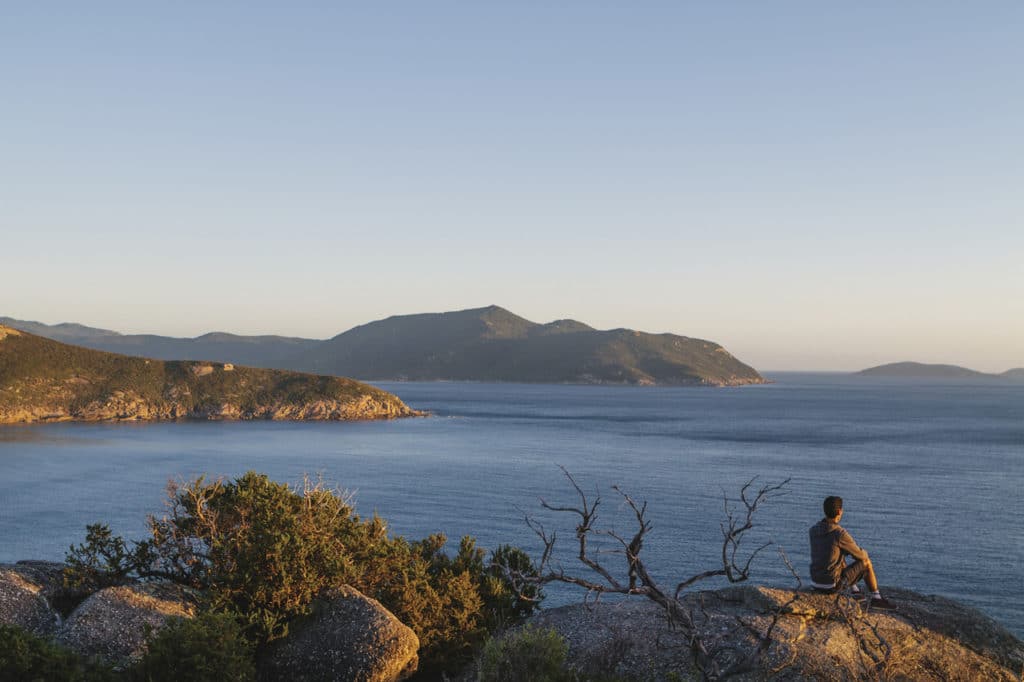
pixel 780 634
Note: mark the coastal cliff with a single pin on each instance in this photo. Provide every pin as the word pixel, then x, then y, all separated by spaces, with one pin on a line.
pixel 45 381
pixel 754 633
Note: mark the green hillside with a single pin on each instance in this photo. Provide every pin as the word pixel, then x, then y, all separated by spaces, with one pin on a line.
pixel 493 344
pixel 44 380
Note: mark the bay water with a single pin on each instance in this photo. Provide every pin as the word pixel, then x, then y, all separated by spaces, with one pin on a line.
pixel 931 473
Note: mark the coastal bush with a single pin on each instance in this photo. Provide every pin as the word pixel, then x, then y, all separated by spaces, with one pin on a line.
pixel 103 560
pixel 509 601
pixel 27 658
pixel 261 551
pixel 208 648
pixel 258 549
pixel 529 655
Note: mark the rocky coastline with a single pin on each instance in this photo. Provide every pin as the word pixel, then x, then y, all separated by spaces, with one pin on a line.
pixel 46 381
pixel 127 406
pixel 773 633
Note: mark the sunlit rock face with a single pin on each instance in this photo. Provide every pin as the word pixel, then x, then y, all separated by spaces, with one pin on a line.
pixel 349 636
pixel 779 634
pixel 113 622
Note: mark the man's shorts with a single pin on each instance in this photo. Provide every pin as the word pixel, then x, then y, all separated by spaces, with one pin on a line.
pixel 851 574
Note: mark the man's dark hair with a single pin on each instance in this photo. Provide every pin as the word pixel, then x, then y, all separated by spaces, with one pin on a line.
pixel 832 506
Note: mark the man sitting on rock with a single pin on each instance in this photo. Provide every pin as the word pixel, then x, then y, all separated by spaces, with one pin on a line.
pixel 830 545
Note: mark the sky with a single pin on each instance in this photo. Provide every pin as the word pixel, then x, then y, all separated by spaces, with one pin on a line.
pixel 816 186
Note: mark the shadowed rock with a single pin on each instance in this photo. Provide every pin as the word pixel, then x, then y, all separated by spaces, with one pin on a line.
pixel 25 592
pixel 112 623
pixel 348 637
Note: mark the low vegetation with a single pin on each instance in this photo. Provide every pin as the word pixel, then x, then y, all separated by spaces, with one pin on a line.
pixel 208 648
pixel 27 658
pixel 260 552
pixel 529 654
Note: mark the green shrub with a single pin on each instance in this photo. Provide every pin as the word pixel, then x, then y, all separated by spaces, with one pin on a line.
pixel 27 658
pixel 208 648
pixel 261 552
pixel 438 597
pixel 503 604
pixel 528 655
pixel 103 560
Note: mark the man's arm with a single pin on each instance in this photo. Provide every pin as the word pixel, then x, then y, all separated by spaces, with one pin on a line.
pixel 848 546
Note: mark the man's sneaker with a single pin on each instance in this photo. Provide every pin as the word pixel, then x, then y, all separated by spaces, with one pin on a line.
pixel 881 604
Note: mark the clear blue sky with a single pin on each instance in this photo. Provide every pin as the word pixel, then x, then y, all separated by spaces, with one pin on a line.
pixel 814 185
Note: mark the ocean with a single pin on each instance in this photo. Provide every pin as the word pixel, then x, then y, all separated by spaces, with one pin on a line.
pixel 930 471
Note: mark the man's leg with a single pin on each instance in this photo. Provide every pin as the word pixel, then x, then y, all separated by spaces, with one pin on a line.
pixel 869 576
pixel 857 570
pixel 864 569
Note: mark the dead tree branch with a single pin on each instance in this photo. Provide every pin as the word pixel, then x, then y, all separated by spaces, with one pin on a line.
pixel 637 580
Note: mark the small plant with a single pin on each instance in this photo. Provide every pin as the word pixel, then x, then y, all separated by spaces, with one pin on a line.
pixel 27 658
pixel 208 648
pixel 528 655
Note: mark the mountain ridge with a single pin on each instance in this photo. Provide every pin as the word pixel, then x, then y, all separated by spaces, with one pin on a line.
pixel 475 344
pixel 493 344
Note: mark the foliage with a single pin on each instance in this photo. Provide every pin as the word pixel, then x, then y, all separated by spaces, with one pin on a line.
pixel 451 603
pixel 529 655
pixel 27 658
pixel 208 648
pixel 259 549
pixel 261 552
pixel 103 560
pixel 510 601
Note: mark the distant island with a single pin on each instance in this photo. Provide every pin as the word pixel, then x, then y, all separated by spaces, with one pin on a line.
pixel 493 344
pixel 44 380
pixel 926 371
pixel 480 344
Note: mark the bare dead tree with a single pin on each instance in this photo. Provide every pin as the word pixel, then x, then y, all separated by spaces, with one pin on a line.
pixel 637 580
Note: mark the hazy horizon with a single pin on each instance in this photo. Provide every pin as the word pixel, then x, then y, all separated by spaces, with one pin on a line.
pixel 815 187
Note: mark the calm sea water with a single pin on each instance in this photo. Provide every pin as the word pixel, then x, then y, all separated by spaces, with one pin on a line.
pixel 931 472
